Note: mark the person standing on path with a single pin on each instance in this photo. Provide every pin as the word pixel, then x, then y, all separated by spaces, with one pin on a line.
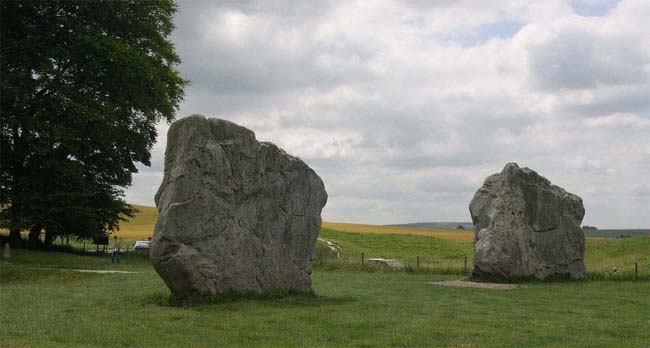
pixel 116 251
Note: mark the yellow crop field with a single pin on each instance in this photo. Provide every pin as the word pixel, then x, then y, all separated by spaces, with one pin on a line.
pixel 461 236
pixel 143 224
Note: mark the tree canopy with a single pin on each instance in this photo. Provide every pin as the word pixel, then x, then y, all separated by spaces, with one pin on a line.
pixel 83 85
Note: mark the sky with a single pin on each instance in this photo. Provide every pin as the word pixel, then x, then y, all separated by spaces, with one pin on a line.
pixel 403 108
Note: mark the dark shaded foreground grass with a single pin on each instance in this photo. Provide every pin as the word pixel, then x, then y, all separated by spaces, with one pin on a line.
pixel 45 308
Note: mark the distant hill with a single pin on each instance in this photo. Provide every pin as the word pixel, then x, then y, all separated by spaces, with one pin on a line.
pixel 142 225
pixel 589 232
pixel 462 236
pixel 438 225
pixel 625 233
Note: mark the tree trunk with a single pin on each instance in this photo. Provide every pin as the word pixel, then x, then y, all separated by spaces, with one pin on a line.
pixel 49 238
pixel 35 235
pixel 14 237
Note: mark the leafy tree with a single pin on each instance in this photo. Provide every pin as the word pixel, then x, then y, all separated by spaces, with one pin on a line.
pixel 83 84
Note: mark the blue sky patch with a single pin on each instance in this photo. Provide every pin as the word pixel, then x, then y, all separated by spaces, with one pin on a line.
pixel 483 33
pixel 593 9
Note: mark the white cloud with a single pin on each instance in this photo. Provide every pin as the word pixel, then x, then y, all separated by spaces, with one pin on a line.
pixel 618 120
pixel 403 107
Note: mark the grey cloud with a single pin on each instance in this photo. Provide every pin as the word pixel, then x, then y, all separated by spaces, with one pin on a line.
pixel 629 98
pixel 577 59
pixel 642 192
pixel 262 60
pixel 403 128
pixel 451 185
pixel 415 161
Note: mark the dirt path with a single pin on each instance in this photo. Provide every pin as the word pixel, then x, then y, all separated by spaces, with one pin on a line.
pixel 100 271
pixel 468 284
pixel 332 246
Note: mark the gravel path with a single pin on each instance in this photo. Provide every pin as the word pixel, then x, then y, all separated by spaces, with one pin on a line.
pixel 100 271
pixel 467 284
pixel 332 246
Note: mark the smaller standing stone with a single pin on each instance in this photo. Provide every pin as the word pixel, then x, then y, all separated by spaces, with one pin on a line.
pixel 526 227
pixel 7 253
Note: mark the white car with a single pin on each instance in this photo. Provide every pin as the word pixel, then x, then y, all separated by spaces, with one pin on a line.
pixel 385 262
pixel 141 245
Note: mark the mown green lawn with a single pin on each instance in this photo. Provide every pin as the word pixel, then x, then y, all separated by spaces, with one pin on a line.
pixel 51 308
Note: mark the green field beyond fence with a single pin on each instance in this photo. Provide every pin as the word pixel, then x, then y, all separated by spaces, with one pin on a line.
pixel 604 258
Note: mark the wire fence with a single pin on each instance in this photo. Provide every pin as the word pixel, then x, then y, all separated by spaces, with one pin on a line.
pixel 325 258
pixel 80 247
pixel 630 270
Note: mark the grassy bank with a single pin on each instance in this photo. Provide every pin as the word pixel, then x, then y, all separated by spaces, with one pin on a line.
pixel 430 252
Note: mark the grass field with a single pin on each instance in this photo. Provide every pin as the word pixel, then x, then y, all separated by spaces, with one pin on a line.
pixel 604 254
pixel 50 308
pixel 601 254
pixel 45 304
pixel 432 251
pixel 439 249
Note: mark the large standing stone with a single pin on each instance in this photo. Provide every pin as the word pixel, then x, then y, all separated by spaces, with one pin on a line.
pixel 236 215
pixel 526 227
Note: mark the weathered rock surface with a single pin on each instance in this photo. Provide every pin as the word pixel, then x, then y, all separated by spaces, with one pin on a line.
pixel 526 227
pixel 236 215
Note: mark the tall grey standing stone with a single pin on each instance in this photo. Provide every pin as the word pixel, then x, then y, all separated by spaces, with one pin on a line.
pixel 525 227
pixel 236 215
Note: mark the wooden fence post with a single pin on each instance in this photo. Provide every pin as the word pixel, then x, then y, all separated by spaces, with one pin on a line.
pixel 465 266
pixel 362 258
pixel 636 269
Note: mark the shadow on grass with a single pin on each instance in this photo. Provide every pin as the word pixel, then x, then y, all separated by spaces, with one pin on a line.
pixel 280 297
pixel 11 274
pixel 348 266
pixel 589 276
